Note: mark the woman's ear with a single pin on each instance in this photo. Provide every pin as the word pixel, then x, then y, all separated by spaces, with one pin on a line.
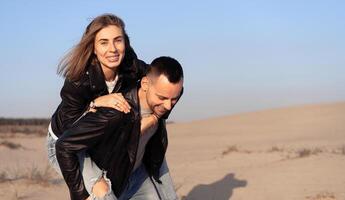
pixel 144 83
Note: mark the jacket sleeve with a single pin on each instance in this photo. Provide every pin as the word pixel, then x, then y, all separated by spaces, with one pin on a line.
pixel 73 105
pixel 81 136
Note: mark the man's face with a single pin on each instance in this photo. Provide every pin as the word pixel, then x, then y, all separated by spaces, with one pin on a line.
pixel 161 95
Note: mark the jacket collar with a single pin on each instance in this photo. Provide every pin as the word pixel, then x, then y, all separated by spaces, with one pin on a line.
pixel 97 79
pixel 133 99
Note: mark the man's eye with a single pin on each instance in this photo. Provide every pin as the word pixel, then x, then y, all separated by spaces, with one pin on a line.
pixel 161 98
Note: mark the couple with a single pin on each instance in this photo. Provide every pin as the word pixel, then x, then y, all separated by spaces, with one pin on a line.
pixel 108 136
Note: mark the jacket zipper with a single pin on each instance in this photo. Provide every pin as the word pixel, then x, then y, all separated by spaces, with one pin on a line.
pixel 85 112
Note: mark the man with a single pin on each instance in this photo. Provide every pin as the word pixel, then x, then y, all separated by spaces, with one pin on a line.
pixel 126 151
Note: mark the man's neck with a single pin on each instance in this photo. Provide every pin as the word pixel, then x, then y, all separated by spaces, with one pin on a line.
pixel 148 120
pixel 142 100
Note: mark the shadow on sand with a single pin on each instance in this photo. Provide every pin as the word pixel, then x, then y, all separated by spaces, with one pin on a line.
pixel 219 190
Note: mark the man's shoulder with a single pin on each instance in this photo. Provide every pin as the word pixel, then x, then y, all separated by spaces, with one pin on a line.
pixel 131 94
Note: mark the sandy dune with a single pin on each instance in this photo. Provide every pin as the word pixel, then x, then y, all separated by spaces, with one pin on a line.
pixel 290 153
pixel 286 154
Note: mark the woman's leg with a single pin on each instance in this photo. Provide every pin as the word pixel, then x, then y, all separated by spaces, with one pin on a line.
pixel 95 180
pixel 50 142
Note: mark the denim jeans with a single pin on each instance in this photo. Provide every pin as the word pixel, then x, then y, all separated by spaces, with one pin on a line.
pixel 50 142
pixel 140 185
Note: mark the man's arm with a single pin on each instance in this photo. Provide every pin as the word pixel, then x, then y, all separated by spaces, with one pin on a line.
pixel 83 135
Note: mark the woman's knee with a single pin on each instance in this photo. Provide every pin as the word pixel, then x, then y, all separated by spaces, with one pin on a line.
pixel 101 188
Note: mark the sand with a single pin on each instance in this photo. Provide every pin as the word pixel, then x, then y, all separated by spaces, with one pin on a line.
pixel 287 153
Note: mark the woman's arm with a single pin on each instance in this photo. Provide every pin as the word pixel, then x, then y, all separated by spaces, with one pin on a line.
pixel 85 134
pixel 115 101
pixel 75 104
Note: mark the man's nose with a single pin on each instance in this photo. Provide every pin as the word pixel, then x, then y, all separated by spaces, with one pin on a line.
pixel 167 104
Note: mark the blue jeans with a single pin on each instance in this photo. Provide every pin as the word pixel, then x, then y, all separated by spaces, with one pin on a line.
pixel 140 185
pixel 51 151
pixel 50 143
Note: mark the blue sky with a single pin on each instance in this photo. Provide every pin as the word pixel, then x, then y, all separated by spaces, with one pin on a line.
pixel 238 56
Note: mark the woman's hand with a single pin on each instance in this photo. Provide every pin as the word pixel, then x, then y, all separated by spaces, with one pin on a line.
pixel 115 100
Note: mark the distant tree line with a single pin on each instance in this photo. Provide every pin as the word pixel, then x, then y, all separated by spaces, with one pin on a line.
pixel 24 121
pixel 32 121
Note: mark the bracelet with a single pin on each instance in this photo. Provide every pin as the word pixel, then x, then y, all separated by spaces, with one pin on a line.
pixel 92 105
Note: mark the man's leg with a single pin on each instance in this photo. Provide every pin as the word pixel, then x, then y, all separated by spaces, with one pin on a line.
pixel 140 186
pixel 166 188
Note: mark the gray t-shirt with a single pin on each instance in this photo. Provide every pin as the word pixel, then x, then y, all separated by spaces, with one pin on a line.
pixel 144 139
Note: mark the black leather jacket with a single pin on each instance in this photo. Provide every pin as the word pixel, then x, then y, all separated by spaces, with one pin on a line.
pixel 76 96
pixel 111 139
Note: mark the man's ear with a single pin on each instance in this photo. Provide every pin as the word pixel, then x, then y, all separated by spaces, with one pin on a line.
pixel 145 83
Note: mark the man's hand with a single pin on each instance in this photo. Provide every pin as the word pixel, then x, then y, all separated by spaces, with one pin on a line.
pixel 147 122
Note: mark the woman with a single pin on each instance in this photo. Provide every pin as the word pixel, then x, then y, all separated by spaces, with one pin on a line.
pixel 96 71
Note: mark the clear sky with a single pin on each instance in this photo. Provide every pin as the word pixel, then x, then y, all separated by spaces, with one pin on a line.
pixel 238 56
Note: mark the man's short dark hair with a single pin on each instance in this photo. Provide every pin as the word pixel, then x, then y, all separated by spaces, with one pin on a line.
pixel 167 66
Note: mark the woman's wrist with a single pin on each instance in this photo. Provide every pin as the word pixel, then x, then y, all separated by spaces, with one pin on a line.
pixel 92 107
pixel 92 104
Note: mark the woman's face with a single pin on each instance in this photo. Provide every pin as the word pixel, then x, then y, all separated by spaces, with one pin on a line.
pixel 109 47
